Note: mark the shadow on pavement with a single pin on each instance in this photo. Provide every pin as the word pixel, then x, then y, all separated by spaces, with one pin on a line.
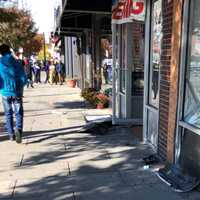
pixel 51 95
pixel 70 105
pixel 97 167
pixel 48 134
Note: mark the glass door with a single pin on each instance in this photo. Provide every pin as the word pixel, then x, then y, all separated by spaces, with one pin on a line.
pixel 128 76
pixel 152 70
pixel 120 74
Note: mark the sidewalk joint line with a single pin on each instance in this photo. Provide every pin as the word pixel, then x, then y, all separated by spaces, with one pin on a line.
pixel 123 179
pixel 74 196
pixel 108 154
pixel 13 190
pixel 68 168
pixel 65 146
pixel 22 159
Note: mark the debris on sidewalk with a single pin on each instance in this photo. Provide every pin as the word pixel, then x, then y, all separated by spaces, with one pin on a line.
pixel 173 176
pixel 100 125
pixel 57 112
pixel 97 127
pixel 152 159
pixel 98 118
pixel 152 163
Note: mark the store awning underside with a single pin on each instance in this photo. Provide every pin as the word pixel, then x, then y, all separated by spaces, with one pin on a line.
pixel 77 15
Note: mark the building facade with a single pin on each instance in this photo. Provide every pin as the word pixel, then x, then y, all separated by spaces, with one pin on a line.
pixel 88 22
pixel 172 50
pixel 155 71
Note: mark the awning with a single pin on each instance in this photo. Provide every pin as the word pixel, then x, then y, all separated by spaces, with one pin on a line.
pixel 88 6
pixel 77 15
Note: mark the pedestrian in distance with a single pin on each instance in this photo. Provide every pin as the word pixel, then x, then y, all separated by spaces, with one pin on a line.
pixel 60 72
pixel 46 69
pixel 37 69
pixel 12 82
pixel 52 72
pixel 28 72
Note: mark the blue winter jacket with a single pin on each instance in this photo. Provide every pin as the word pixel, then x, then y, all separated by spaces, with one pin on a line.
pixel 12 76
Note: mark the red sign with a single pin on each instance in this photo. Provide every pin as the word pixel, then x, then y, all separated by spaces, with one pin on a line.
pixel 124 11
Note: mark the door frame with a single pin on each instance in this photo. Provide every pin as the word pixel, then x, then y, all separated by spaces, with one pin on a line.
pixel 117 94
pixel 147 72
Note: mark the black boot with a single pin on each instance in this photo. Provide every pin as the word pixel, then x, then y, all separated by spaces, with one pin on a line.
pixel 18 135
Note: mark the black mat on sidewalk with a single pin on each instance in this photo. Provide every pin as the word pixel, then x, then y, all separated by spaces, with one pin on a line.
pixel 173 176
pixel 99 128
pixel 152 159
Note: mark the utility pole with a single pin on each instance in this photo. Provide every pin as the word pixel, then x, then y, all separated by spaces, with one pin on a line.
pixel 44 44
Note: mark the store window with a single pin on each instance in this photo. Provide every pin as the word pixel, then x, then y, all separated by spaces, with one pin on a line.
pixel 156 40
pixel 138 59
pixel 192 80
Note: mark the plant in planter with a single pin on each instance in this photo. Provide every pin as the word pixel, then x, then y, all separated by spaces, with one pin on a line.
pixel 89 94
pixel 101 100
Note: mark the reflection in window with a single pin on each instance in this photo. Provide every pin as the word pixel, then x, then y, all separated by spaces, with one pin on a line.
pixel 122 81
pixel 122 58
pixel 138 59
pixel 156 52
pixel 106 61
pixel 192 90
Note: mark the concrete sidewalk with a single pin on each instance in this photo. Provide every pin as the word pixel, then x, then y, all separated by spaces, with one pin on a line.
pixel 55 162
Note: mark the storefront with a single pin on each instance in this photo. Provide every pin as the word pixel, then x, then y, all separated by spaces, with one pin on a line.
pixel 188 128
pixel 85 22
pixel 128 61
pixel 171 91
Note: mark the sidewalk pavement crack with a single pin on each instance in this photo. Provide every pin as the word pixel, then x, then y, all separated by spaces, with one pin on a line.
pixel 26 141
pixel 65 147
pixel 21 161
pixel 108 154
pixel 33 122
pixel 123 179
pixel 68 167
pixel 13 189
pixel 74 196
pixel 61 123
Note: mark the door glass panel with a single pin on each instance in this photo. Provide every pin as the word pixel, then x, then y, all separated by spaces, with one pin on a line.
pixel 152 128
pixel 117 54
pixel 192 80
pixel 138 59
pixel 156 39
pixel 122 81
pixel 123 59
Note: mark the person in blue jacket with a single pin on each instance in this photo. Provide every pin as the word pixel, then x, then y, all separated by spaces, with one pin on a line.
pixel 12 82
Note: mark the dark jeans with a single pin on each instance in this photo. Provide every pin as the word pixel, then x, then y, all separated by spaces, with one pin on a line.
pixel 13 105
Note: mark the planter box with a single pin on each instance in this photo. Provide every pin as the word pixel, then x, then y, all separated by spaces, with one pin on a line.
pixel 71 83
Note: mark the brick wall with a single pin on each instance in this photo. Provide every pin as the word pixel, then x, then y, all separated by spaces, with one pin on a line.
pixel 172 10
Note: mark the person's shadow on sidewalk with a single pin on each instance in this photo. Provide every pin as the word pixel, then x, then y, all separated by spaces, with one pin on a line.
pixel 48 134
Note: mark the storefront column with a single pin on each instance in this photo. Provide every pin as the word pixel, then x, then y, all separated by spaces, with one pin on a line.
pixel 173 93
pixel 172 15
pixel 114 74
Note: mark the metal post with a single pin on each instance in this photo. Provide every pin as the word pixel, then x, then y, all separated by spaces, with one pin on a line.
pixel 44 43
pixel 114 74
